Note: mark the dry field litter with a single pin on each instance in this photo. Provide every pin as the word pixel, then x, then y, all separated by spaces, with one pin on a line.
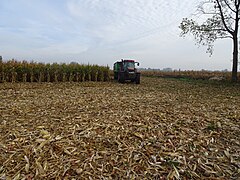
pixel 160 129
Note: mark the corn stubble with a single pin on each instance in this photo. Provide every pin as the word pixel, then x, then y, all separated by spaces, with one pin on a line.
pixel 161 129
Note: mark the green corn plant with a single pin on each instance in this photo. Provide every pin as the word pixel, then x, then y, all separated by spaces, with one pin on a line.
pixel 81 72
pixel 94 73
pixel 106 73
pixel 54 72
pixel 100 76
pixel 32 71
pixel 40 72
pixel 87 69
pixel 22 71
pixel 47 77
pixel 71 72
pixel 75 73
pixel 6 71
pixel 9 66
pixel 2 76
pixel 63 72
pixel 14 76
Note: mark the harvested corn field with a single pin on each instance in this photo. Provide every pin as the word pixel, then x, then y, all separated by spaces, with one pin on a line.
pixel 161 129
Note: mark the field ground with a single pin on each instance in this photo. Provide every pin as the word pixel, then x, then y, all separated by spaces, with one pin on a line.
pixel 160 129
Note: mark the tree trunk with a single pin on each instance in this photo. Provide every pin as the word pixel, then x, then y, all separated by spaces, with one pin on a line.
pixel 235 59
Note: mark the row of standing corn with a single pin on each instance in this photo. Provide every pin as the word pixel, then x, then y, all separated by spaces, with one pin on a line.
pixel 16 71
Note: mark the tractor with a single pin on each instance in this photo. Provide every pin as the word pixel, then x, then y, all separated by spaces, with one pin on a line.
pixel 125 70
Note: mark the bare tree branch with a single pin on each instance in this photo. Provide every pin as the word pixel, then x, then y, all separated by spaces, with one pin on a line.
pixel 219 29
pixel 224 37
pixel 228 5
pixel 223 18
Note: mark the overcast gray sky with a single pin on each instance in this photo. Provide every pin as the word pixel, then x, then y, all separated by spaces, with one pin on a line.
pixel 103 31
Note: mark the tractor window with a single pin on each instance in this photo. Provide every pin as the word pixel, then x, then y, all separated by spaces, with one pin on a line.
pixel 130 64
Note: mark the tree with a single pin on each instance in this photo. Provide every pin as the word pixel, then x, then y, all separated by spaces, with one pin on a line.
pixel 218 19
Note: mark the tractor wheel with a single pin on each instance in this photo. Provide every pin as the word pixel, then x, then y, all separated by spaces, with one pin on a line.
pixel 121 77
pixel 137 81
